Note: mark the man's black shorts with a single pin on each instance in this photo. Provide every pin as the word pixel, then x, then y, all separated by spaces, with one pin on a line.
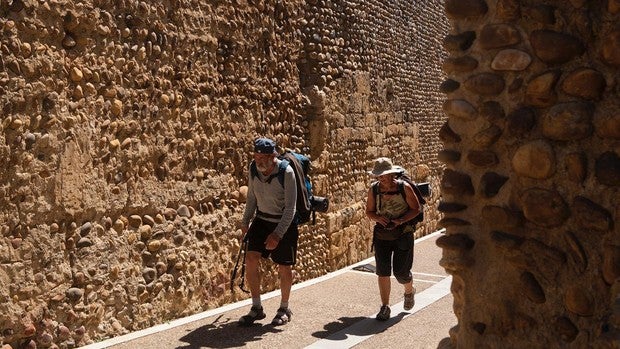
pixel 286 251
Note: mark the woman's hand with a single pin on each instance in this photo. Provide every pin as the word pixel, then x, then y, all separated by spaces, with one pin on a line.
pixel 384 221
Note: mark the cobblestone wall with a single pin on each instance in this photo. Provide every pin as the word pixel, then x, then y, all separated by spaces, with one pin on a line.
pixel 126 130
pixel 530 193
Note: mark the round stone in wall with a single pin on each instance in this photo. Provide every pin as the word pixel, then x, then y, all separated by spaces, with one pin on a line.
pixel 449 85
pixel 449 156
pixel 465 8
pixel 607 125
pixel 531 288
pixel 492 111
pixel 607 169
pixel 611 263
pixel 590 216
pixel 540 90
pixel 448 207
pixel 576 166
pixel 491 183
pixel 534 160
pixel 501 217
pixel 482 158
pixel 488 136
pixel 555 48
pixel 498 35
pixel 584 83
pixel 611 48
pixel 565 329
pixel 459 64
pixel 447 135
pixel 543 13
pixel 520 122
pixel 511 59
pixel 459 42
pixel 568 121
pixel 544 207
pixel 578 300
pixel 456 183
pixel 486 84
pixel 459 108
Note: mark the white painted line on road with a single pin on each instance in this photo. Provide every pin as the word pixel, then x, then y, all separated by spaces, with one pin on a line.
pixel 228 307
pixel 392 277
pixel 427 281
pixel 362 330
pixel 431 275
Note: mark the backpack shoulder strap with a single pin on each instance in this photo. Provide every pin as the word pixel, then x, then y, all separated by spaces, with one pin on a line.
pixel 375 188
pixel 281 170
pixel 253 169
pixel 416 191
pixel 375 192
pixel 401 189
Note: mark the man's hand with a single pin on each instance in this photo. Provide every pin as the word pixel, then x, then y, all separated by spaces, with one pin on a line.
pixel 272 241
pixel 244 231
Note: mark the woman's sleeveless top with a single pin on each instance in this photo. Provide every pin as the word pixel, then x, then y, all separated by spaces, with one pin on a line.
pixel 391 206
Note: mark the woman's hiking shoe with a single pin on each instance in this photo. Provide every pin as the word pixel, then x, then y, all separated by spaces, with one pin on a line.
pixel 256 313
pixel 282 316
pixel 384 313
pixel 409 300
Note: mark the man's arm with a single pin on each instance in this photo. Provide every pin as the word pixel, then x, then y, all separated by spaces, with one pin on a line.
pixel 250 205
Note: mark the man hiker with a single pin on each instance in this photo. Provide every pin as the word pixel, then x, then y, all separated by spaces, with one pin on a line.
pixel 269 226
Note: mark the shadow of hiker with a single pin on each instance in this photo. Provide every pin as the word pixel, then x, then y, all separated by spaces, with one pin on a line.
pixel 225 334
pixel 356 326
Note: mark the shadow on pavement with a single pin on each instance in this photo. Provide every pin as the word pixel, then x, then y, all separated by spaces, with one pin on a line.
pixel 225 334
pixel 356 326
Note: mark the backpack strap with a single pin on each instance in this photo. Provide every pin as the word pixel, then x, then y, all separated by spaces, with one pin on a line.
pixel 253 169
pixel 416 191
pixel 375 191
pixel 401 189
pixel 281 170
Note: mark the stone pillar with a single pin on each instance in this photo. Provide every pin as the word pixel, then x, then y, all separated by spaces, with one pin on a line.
pixel 531 189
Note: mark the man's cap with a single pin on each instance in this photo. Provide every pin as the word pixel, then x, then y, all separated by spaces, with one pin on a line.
pixel 264 146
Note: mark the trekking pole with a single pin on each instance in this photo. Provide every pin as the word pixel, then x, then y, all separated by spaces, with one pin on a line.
pixel 242 250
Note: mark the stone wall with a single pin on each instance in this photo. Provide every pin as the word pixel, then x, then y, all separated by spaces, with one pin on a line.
pixel 530 193
pixel 126 131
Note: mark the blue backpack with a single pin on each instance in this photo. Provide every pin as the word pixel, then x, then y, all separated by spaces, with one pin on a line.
pixel 307 204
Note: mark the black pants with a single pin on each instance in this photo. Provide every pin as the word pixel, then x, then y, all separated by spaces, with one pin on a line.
pixel 395 255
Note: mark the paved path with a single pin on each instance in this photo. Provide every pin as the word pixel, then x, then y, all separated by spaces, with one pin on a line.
pixel 333 311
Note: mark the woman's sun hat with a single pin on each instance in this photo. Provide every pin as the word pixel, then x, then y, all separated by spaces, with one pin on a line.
pixel 384 166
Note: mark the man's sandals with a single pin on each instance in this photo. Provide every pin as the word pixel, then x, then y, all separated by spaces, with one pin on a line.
pixel 282 316
pixel 256 313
